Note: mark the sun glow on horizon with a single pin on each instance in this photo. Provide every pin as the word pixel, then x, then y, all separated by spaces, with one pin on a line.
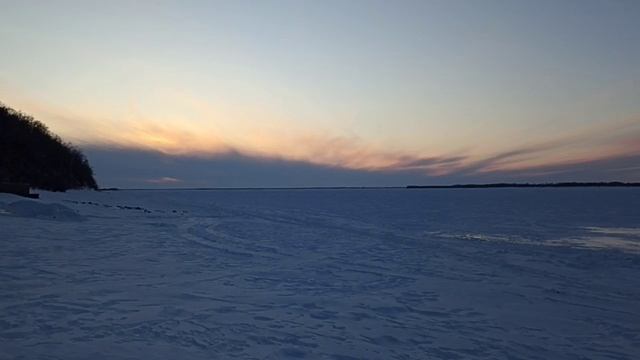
pixel 202 136
pixel 434 88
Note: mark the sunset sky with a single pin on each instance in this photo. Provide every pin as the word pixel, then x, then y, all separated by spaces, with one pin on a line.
pixel 331 93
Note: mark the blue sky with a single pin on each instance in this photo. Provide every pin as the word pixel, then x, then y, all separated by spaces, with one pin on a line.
pixel 402 91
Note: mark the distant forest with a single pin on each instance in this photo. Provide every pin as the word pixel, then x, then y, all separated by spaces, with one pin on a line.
pixel 31 154
pixel 527 185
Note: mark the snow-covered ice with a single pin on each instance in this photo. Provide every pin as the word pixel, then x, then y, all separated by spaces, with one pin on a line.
pixel 321 274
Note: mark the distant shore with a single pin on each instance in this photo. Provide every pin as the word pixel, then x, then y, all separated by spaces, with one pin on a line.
pixel 261 188
pixel 527 185
pixel 456 186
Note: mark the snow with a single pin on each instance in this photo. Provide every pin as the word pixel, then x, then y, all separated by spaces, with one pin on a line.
pixel 321 274
pixel 33 209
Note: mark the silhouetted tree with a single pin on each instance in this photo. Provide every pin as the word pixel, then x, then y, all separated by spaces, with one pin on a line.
pixel 30 153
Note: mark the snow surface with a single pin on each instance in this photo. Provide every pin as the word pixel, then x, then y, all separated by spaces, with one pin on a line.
pixel 321 274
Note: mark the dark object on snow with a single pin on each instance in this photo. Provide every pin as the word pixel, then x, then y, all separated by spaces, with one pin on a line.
pixel 17 189
pixel 31 154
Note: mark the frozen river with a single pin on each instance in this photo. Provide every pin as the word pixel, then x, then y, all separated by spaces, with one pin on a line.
pixel 321 274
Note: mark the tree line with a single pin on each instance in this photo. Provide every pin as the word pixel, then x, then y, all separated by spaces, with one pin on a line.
pixel 30 153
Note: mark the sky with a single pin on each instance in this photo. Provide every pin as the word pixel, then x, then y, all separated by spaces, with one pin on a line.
pixel 332 93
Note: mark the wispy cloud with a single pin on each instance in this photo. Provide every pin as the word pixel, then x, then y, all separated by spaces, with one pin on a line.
pixel 595 145
pixel 164 180
pixel 601 142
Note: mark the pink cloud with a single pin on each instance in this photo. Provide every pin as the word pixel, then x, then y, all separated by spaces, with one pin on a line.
pixel 164 180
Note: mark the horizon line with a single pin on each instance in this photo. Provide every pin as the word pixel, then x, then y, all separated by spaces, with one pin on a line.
pixel 451 186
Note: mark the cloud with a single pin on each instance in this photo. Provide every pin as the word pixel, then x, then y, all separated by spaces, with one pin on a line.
pixel 133 168
pixel 598 144
pixel 204 137
pixel 164 180
pixel 617 167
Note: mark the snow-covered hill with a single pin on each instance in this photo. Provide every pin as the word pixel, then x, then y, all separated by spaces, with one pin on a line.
pixel 321 274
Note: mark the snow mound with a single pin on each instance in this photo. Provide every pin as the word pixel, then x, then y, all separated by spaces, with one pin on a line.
pixel 36 209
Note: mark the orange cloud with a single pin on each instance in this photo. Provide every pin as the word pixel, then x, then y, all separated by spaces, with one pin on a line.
pixel 209 132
